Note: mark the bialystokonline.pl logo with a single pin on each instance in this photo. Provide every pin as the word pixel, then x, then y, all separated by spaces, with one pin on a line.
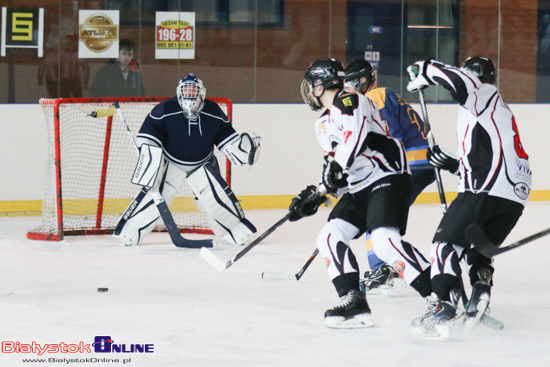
pixel 101 344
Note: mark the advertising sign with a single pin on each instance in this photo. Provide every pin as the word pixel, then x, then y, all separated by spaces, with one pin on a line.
pixel 22 32
pixel 98 33
pixel 175 35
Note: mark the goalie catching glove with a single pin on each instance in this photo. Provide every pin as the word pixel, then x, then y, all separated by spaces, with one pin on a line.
pixel 245 149
pixel 305 203
pixel 333 176
pixel 442 159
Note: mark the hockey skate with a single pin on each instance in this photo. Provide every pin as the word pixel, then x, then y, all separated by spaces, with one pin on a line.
pixel 479 301
pixel 379 283
pixel 351 311
pixel 439 318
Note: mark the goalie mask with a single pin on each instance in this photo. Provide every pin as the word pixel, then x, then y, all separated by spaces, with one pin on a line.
pixel 191 93
pixel 357 70
pixel 328 73
pixel 482 67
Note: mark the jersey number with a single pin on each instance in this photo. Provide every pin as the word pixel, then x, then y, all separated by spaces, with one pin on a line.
pixel 517 142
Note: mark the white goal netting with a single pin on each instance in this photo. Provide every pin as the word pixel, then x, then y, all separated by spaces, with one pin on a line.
pixel 90 164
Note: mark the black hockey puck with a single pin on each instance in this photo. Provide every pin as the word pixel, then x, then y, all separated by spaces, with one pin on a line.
pixel 103 289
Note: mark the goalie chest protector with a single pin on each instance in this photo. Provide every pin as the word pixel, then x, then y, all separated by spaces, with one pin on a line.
pixel 187 141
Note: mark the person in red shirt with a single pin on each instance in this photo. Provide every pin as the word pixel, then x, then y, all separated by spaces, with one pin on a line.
pixel 119 77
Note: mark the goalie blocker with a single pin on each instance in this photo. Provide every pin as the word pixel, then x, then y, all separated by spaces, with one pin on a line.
pixel 148 165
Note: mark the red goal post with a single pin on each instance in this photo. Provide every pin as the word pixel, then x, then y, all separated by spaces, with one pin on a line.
pixel 89 165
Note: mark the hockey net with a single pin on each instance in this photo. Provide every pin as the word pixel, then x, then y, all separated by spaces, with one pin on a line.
pixel 90 162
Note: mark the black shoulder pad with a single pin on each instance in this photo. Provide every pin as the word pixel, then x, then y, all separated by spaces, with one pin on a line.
pixel 347 103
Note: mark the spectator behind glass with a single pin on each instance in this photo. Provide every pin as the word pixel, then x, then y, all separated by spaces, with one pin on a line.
pixel 119 77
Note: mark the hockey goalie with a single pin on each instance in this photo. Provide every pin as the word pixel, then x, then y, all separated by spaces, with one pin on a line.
pixel 176 143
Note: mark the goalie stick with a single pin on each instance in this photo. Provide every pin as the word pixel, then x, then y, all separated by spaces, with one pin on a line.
pixel 477 236
pixel 165 213
pixel 221 266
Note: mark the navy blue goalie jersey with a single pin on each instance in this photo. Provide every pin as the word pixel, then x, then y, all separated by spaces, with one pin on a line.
pixel 186 142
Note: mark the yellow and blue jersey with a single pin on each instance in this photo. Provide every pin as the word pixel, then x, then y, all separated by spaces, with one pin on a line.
pixel 404 124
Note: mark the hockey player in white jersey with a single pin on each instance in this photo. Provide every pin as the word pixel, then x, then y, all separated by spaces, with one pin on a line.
pixel 180 133
pixel 406 125
pixel 494 186
pixel 362 157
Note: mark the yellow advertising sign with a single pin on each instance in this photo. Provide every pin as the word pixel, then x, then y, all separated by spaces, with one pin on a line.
pixel 22 32
pixel 175 35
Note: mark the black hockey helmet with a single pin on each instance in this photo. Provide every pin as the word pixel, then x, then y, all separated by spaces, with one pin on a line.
pixel 328 73
pixel 355 71
pixel 482 67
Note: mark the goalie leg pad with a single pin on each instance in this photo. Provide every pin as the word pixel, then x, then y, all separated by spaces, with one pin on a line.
pixel 215 198
pixel 236 235
pixel 141 216
pixel 138 220
pixel 171 180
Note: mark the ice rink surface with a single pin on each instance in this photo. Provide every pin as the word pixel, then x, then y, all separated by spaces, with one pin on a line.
pixel 196 316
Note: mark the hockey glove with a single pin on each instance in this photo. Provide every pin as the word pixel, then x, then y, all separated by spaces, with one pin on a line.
pixel 417 76
pixel 250 143
pixel 243 150
pixel 305 203
pixel 333 176
pixel 442 159
pixel 148 165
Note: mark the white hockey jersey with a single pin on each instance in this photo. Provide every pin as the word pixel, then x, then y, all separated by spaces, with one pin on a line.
pixel 353 130
pixel 492 158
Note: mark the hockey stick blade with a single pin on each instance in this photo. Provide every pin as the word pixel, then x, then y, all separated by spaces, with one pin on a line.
pixel 486 320
pixel 491 322
pixel 221 266
pixel 477 236
pixel 278 277
pixel 174 232
pixel 210 258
